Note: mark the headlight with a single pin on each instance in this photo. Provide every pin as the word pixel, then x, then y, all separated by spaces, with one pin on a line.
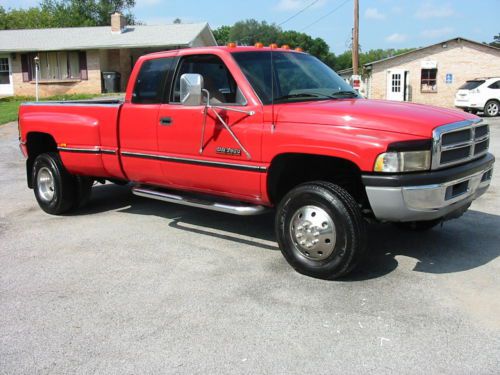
pixel 403 161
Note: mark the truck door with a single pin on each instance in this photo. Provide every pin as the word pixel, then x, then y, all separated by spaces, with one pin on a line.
pixel 211 149
pixel 138 122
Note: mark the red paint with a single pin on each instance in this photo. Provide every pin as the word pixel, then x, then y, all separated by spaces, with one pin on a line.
pixel 353 129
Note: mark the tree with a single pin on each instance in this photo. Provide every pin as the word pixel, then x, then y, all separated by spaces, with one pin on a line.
pixel 221 35
pixel 177 21
pixel 251 31
pixel 496 41
pixel 66 13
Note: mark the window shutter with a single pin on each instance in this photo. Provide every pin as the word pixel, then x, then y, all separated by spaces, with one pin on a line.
pixel 83 65
pixel 25 66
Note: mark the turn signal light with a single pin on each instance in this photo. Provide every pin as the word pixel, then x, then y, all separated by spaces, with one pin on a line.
pixel 273 45
pixel 259 45
pixel 231 45
pixel 298 49
pixel 285 46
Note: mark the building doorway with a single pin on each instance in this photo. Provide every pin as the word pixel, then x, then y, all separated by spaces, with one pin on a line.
pixel 397 85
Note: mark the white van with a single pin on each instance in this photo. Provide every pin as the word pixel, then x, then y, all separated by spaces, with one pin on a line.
pixel 480 94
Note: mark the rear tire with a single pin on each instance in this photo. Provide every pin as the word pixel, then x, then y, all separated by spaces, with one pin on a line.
pixel 320 230
pixel 492 108
pixel 83 190
pixel 54 187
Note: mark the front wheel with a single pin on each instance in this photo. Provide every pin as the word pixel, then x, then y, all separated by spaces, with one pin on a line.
pixel 320 230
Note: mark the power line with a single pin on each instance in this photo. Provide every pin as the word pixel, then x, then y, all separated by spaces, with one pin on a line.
pixel 326 15
pixel 299 12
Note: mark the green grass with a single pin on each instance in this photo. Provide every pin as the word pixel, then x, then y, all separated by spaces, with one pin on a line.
pixel 9 106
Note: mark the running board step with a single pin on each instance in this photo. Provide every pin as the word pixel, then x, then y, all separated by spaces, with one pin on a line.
pixel 209 203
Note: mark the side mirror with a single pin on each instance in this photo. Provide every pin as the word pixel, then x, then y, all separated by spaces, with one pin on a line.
pixel 191 89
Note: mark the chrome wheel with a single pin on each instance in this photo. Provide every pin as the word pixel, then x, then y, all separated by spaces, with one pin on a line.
pixel 492 109
pixel 45 184
pixel 313 232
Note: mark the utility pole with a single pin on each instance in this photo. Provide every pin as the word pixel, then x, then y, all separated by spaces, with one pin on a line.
pixel 355 39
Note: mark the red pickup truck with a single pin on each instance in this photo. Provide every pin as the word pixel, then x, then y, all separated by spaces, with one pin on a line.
pixel 243 130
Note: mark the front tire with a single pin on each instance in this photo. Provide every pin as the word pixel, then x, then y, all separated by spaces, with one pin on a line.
pixel 54 187
pixel 491 108
pixel 320 230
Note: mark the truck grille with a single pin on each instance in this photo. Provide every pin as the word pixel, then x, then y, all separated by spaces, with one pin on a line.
pixel 459 142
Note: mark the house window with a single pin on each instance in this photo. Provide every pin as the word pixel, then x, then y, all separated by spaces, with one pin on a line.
pixel 58 65
pixel 4 71
pixel 428 80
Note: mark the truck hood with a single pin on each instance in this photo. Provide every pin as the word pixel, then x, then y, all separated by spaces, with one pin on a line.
pixel 384 115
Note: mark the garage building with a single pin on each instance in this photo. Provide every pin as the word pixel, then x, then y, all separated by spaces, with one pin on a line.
pixel 432 74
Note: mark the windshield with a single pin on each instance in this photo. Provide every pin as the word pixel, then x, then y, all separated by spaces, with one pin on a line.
pixel 471 85
pixel 298 77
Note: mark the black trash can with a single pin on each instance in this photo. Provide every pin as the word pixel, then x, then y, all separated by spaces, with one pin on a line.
pixel 111 81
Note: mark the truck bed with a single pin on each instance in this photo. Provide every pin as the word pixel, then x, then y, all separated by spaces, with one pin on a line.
pixel 85 133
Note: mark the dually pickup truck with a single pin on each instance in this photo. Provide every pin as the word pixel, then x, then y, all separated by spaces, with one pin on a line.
pixel 244 130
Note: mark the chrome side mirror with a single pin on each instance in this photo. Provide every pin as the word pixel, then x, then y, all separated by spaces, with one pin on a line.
pixel 191 89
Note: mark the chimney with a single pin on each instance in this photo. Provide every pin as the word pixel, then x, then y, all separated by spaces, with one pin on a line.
pixel 118 23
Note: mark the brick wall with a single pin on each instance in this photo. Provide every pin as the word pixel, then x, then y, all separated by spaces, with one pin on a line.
pixel 463 59
pixel 90 86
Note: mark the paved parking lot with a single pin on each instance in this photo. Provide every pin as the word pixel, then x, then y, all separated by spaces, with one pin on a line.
pixel 134 286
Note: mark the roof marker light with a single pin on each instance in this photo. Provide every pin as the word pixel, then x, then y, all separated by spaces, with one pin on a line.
pixel 258 45
pixel 285 46
pixel 273 45
pixel 231 45
pixel 298 49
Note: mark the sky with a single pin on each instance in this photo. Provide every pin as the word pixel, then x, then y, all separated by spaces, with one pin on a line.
pixel 383 23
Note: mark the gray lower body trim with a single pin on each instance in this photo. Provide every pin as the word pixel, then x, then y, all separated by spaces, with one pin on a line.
pixel 427 202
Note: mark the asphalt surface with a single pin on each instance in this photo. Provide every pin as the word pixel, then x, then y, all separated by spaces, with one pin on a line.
pixel 134 286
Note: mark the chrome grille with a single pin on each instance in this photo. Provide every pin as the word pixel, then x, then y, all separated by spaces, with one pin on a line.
pixel 459 142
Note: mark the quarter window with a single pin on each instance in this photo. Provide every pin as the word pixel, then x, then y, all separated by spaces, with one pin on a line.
pixel 428 80
pixel 495 85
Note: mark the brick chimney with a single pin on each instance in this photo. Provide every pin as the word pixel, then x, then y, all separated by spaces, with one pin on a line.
pixel 118 23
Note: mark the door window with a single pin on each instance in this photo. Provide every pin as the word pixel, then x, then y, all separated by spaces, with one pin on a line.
pixel 216 79
pixel 396 82
pixel 4 71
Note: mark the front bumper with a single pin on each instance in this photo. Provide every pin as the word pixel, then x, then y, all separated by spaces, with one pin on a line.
pixel 429 195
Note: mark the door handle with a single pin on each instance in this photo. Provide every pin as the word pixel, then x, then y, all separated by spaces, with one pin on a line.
pixel 166 121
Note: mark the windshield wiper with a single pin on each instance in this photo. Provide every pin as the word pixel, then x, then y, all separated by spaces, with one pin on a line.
pixel 304 95
pixel 348 94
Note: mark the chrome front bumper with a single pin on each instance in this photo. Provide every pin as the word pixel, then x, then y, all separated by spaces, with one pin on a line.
pixel 417 202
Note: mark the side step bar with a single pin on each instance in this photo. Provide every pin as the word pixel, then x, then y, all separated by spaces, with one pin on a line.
pixel 236 208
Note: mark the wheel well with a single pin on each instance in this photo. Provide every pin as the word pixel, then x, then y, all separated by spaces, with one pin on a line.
pixel 289 170
pixel 36 144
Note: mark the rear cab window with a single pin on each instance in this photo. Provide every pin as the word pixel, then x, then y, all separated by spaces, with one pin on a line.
pixel 152 80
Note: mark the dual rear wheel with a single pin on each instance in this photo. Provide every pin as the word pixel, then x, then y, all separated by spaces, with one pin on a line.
pixel 56 190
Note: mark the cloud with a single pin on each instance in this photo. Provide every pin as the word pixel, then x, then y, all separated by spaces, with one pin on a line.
pixel 396 38
pixel 437 33
pixel 373 14
pixel 289 5
pixel 430 10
